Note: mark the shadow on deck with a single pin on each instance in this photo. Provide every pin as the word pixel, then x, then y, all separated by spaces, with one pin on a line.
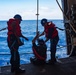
pixel 64 66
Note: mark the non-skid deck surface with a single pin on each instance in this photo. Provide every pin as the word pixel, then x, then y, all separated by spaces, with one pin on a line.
pixel 65 66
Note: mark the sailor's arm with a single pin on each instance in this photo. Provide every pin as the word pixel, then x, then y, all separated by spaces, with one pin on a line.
pixel 35 38
pixel 46 40
pixel 24 37
pixel 41 34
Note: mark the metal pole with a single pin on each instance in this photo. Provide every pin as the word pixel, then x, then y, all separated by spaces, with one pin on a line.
pixel 37 15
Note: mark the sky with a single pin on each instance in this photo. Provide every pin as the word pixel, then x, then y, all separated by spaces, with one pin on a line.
pixel 28 9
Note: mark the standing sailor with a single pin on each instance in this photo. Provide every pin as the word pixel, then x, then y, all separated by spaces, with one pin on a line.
pixel 14 33
pixel 51 34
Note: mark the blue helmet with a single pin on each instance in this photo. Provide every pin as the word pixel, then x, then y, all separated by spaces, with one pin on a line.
pixel 43 21
pixel 17 16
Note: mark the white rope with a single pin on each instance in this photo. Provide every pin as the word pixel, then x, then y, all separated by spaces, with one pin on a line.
pixel 20 53
pixel 32 52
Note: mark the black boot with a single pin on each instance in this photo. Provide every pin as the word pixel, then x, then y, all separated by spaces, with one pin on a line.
pixel 17 71
pixel 51 62
pixel 12 69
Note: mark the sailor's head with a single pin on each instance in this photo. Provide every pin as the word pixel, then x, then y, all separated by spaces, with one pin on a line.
pixel 41 42
pixel 17 16
pixel 43 21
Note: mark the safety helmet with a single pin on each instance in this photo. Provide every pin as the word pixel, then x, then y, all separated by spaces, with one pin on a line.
pixel 17 16
pixel 41 41
pixel 43 21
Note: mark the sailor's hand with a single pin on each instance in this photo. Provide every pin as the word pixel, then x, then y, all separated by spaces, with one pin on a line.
pixel 26 39
pixel 37 34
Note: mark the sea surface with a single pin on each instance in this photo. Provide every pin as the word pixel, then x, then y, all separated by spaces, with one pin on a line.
pixel 28 28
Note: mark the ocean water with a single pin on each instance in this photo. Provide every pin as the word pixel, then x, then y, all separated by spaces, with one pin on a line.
pixel 28 28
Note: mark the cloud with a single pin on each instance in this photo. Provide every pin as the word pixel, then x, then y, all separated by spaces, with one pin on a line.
pixel 44 8
pixel 50 13
pixel 44 11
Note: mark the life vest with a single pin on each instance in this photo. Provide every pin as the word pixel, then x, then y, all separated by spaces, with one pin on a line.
pixel 10 28
pixel 50 25
pixel 40 52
